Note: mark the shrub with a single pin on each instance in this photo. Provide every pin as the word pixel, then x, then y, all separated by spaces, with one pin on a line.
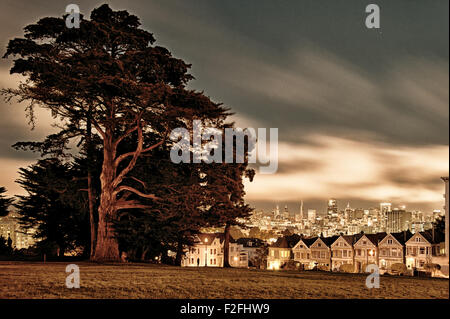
pixel 323 268
pixel 398 268
pixel 432 267
pixel 348 268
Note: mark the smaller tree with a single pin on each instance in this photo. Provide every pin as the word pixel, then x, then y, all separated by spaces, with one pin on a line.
pixel 53 206
pixel 5 202
pixel 4 249
pixel 398 269
pixel 260 260
pixel 347 268
pixel 432 268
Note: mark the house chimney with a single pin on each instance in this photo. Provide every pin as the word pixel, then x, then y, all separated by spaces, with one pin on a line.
pixel 404 236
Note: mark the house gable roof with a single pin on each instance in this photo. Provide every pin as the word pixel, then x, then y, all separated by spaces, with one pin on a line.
pixel 330 240
pixel 389 236
pixel 401 238
pixel 209 238
pixel 251 242
pixel 348 239
pixel 326 241
pixel 418 234
pixel 280 243
pixel 305 241
pixel 374 239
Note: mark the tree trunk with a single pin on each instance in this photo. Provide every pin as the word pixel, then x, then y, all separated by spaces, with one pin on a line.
pixel 107 248
pixel 144 253
pixel 179 251
pixel 226 247
pixel 90 189
pixel 91 215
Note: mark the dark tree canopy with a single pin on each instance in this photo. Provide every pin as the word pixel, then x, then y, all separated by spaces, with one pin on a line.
pixel 5 202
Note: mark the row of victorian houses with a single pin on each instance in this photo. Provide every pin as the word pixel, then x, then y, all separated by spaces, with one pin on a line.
pixel 415 251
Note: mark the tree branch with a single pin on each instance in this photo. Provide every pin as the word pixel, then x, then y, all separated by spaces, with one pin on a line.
pixel 139 181
pixel 127 204
pixel 98 128
pixel 124 156
pixel 133 190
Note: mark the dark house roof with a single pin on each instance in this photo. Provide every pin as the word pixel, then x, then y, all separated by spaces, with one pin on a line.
pixel 438 237
pixel 286 241
pixel 350 239
pixel 376 238
pixel 251 242
pixel 329 240
pixel 211 236
pixel 402 237
pixel 309 241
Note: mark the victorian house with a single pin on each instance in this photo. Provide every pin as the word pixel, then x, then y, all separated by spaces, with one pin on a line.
pixel 342 251
pixel 302 252
pixel 392 249
pixel 366 250
pixel 208 251
pixel 321 252
pixel 280 252
pixel 422 247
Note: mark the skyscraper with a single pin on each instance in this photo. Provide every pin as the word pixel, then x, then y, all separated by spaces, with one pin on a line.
pixel 397 220
pixel 299 216
pixel 332 207
pixel 311 215
pixel 384 209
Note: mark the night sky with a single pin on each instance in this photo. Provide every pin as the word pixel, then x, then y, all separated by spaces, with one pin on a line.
pixel 362 114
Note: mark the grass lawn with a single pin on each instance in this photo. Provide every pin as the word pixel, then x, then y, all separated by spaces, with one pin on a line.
pixel 39 280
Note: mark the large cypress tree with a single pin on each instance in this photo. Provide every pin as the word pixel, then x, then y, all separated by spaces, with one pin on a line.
pixel 108 73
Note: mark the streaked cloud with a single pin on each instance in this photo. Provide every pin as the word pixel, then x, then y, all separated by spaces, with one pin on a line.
pixel 346 169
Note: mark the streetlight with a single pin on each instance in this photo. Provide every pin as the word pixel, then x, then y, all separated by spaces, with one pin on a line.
pixel 235 259
pixel 370 252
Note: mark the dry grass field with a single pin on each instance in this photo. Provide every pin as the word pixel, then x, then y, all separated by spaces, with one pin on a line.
pixel 39 280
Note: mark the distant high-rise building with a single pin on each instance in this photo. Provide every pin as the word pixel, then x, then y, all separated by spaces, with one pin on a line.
pixel 397 220
pixel 384 209
pixel 299 216
pixel 348 212
pixel 286 214
pixel 277 212
pixel 312 215
pixel 332 207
